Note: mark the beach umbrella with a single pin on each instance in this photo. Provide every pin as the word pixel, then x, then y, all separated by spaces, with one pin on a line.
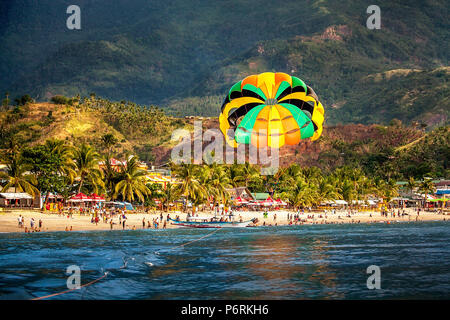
pixel 280 202
pixel 240 200
pixel 96 198
pixel 268 202
pixel 271 109
pixel 80 197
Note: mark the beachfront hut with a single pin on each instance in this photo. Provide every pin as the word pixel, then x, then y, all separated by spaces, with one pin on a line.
pixel 443 192
pixel 16 200
pixel 440 202
pixel 54 201
pixel 240 192
pixel 240 201
pixel 260 196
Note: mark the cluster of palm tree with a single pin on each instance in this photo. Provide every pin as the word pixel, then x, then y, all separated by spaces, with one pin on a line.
pixel 80 167
pixel 83 169
pixel 16 175
pixel 307 187
pixel 301 187
pixel 425 187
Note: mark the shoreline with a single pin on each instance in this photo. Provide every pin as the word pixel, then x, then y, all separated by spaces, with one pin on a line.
pixel 52 222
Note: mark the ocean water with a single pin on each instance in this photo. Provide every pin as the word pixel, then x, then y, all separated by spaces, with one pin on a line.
pixel 296 262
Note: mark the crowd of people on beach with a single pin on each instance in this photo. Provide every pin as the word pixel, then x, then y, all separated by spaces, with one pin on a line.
pixel 33 227
pixel 118 216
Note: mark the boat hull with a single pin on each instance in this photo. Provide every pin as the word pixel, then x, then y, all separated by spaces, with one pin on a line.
pixel 214 224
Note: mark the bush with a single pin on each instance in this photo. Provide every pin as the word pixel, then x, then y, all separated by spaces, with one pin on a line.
pixel 23 100
pixel 59 100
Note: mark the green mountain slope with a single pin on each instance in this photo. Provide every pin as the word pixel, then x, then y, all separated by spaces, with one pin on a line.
pixel 185 54
pixel 394 151
pixel 360 76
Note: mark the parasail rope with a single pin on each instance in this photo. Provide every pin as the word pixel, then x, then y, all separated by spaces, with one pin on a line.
pixel 66 291
pixel 187 243
pixel 123 267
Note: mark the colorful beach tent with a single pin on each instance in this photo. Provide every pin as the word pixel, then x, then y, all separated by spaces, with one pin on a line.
pixel 96 198
pixel 80 197
pixel 268 202
pixel 240 200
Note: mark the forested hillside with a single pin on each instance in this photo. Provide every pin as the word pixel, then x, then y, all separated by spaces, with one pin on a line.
pixel 392 151
pixel 185 55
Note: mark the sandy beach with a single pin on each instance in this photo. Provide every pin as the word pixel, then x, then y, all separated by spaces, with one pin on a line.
pixel 55 222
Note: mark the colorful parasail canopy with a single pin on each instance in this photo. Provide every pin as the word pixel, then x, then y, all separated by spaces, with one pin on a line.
pixel 271 109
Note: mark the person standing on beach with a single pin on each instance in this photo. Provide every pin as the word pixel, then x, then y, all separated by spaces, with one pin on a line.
pixel 143 223
pixel 40 223
pixel 111 224
pixel 32 223
pixel 123 224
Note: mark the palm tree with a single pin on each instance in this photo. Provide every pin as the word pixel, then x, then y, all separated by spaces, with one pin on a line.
pixel 233 173
pixel 348 190
pixel 109 140
pixel 218 181
pixel 132 181
pixel 168 195
pixel 390 190
pixel 411 184
pixel 426 187
pixel 86 167
pixel 6 100
pixel 63 152
pixel 17 175
pixel 246 173
pixel 190 187
pixel 327 190
pixel 64 165
pixel 110 175
pixel 302 194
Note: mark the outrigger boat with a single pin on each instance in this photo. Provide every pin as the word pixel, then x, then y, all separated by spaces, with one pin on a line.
pixel 207 222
